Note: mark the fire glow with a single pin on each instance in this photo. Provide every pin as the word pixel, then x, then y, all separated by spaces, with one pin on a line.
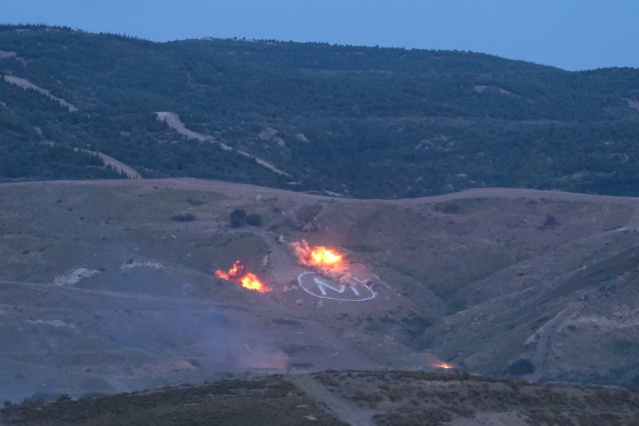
pixel 238 274
pixel 436 362
pixel 443 365
pixel 319 257
pixel 325 257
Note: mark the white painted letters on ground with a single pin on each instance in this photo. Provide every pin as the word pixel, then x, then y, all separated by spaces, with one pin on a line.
pixel 324 288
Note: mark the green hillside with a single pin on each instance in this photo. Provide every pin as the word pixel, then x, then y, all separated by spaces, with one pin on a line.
pixel 359 121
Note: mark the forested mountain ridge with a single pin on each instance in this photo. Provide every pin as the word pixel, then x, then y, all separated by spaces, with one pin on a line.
pixel 359 121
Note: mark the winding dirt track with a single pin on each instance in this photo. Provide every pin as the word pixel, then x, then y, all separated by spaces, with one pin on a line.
pixel 118 165
pixel 342 408
pixel 174 122
pixel 546 333
pixel 26 84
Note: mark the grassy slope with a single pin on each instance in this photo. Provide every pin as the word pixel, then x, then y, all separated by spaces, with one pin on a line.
pixel 478 279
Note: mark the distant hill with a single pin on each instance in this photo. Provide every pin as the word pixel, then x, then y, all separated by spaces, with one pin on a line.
pixel 356 121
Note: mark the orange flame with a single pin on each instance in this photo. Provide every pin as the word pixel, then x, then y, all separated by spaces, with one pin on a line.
pixel 443 365
pixel 247 280
pixel 436 362
pixel 251 282
pixel 323 256
pixel 318 257
pixel 236 271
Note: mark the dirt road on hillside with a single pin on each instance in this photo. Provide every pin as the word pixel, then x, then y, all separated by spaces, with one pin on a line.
pixel 26 84
pixel 343 409
pixel 544 336
pixel 174 122
pixel 118 165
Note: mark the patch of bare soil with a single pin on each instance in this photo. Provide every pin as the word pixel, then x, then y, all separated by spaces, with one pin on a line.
pixel 491 90
pixel 129 171
pixel 508 418
pixel 119 166
pixel 341 408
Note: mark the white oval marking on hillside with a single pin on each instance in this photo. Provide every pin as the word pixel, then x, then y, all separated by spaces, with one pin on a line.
pixel 324 288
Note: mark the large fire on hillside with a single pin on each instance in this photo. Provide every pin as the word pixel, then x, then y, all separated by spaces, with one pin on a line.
pixel 321 258
pixel 238 274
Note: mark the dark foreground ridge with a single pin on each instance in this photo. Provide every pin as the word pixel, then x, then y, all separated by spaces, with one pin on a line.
pixel 346 397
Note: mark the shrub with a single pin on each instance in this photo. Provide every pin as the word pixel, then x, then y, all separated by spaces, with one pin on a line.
pixel 183 217
pixel 521 367
pixel 238 214
pixel 254 219
pixel 550 222
pixel 451 208
pixel 238 217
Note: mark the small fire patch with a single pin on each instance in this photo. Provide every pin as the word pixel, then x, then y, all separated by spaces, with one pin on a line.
pixel 239 275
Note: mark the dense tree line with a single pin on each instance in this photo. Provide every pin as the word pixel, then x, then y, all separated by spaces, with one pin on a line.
pixel 363 121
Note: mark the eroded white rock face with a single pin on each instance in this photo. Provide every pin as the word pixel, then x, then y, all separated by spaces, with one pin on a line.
pixel 126 266
pixel 53 323
pixel 73 277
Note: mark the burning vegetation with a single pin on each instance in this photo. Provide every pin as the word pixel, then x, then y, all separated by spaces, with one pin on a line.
pixel 320 258
pixel 437 363
pixel 443 365
pixel 239 275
